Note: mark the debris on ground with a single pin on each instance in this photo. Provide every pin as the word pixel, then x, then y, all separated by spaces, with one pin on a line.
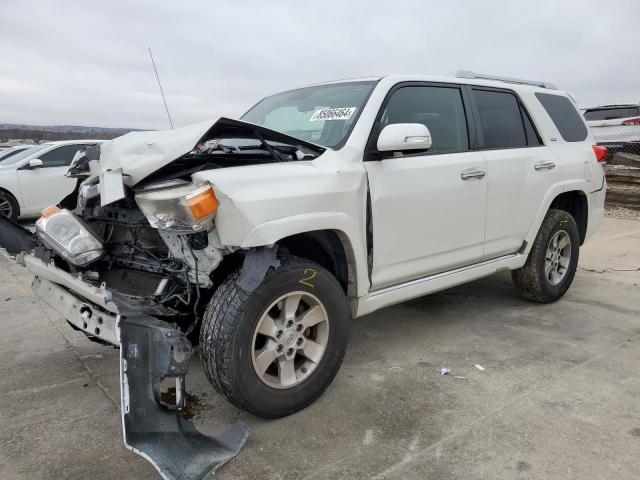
pixel 479 367
pixel 445 371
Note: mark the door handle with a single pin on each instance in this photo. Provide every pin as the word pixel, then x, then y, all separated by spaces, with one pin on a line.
pixel 544 165
pixel 472 173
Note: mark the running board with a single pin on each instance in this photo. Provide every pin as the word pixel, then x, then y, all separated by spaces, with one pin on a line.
pixel 434 283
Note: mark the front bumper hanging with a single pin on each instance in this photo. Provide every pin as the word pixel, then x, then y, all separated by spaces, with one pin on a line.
pixel 151 351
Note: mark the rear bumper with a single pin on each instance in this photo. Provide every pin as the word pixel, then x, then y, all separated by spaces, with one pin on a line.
pixel 596 210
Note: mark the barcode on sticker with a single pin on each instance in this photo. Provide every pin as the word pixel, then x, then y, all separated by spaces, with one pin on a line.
pixel 341 113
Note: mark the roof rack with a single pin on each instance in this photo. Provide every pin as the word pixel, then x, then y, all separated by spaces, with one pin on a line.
pixel 469 74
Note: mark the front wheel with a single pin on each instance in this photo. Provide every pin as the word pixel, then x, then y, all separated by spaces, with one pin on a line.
pixel 553 259
pixel 8 206
pixel 273 351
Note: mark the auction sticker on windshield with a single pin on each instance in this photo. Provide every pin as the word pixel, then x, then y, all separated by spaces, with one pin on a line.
pixel 341 113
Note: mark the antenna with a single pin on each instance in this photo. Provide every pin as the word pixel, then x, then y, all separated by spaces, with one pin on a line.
pixel 160 85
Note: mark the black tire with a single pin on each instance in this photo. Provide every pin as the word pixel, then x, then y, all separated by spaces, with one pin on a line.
pixel 530 280
pixel 13 204
pixel 226 338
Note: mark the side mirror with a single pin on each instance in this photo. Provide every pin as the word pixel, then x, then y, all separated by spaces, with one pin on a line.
pixel 404 136
pixel 35 163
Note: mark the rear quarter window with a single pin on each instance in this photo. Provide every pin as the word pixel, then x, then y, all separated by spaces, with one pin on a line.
pixel 565 116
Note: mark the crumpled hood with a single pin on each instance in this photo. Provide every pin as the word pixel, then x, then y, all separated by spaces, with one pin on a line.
pixel 129 159
pixel 138 154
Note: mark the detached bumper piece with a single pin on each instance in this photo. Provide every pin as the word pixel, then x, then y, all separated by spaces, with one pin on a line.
pixel 14 238
pixel 151 351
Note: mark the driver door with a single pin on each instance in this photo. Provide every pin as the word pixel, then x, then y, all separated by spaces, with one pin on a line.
pixel 428 209
pixel 45 186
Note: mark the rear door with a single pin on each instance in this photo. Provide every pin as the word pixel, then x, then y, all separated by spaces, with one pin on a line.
pixel 427 208
pixel 45 186
pixel 520 169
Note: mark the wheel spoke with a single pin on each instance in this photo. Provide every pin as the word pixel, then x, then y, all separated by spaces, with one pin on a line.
pixel 312 317
pixel 264 359
pixel 547 267
pixel 564 241
pixel 268 326
pixel 291 306
pixel 312 350
pixel 5 208
pixel 286 372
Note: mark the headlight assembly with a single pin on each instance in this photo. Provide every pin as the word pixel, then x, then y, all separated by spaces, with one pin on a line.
pixel 67 235
pixel 184 208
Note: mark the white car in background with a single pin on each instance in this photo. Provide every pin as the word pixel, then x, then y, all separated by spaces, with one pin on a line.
pixel 34 178
pixel 616 127
pixel 10 151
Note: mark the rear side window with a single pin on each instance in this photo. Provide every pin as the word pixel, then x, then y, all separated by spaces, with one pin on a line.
pixel 500 118
pixel 440 109
pixel 61 156
pixel 611 113
pixel 565 116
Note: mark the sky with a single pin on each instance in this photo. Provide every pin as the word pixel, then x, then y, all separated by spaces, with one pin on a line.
pixel 86 63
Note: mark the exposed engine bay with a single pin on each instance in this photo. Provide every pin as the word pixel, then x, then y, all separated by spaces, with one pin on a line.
pixel 154 254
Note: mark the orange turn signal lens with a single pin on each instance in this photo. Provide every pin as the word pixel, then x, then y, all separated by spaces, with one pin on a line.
pixel 202 203
pixel 50 212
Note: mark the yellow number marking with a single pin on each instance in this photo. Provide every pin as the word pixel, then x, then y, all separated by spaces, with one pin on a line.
pixel 307 280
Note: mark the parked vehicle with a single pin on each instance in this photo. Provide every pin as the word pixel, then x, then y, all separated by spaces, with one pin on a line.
pixel 10 151
pixel 616 127
pixel 34 178
pixel 267 235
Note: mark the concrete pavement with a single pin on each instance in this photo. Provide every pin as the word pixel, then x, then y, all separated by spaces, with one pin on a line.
pixel 559 397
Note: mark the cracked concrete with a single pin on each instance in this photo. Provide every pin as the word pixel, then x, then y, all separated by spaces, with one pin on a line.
pixel 558 399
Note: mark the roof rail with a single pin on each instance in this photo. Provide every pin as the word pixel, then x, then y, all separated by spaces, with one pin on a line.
pixel 469 74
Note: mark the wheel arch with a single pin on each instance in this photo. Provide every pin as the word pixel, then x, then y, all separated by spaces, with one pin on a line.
pixel 575 203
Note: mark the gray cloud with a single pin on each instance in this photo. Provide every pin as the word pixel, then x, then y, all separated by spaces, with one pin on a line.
pixel 64 62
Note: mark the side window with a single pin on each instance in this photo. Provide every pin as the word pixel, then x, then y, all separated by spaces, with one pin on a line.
pixel 61 156
pixel 533 139
pixel 564 116
pixel 440 109
pixel 500 118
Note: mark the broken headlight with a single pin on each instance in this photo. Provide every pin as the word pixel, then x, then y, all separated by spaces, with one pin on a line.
pixel 184 208
pixel 68 236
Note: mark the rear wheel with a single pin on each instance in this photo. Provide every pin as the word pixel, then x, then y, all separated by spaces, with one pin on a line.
pixel 8 205
pixel 553 259
pixel 273 351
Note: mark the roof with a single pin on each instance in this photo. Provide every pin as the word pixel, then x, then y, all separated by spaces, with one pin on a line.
pixel 69 142
pixel 617 105
pixel 479 79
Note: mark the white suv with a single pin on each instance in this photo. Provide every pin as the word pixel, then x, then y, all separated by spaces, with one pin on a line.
pixel 262 238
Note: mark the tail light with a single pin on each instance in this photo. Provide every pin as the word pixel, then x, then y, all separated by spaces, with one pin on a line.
pixel 632 121
pixel 601 153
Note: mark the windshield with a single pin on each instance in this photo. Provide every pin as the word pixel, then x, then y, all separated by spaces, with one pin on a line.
pixel 18 157
pixel 323 114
